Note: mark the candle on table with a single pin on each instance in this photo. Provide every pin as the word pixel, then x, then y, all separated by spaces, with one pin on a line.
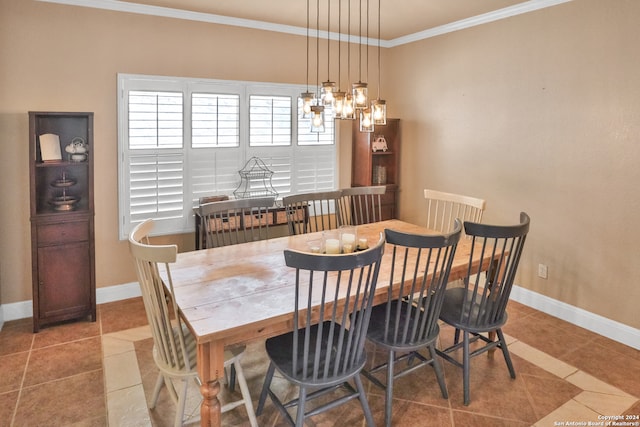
pixel 332 246
pixel 363 244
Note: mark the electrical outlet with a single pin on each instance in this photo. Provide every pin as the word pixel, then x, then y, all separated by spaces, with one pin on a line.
pixel 542 271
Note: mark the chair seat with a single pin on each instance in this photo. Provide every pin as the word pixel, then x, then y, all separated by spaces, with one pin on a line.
pixel 458 301
pixel 380 330
pixel 279 351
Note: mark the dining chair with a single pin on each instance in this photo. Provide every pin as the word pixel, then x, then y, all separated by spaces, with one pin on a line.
pixel 230 222
pixel 362 205
pixel 174 349
pixel 325 350
pixel 443 208
pixel 479 306
pixel 407 323
pixel 309 212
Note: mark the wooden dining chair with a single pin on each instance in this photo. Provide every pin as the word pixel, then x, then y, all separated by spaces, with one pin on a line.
pixel 325 351
pixel 362 205
pixel 443 208
pixel 230 222
pixel 407 323
pixel 309 212
pixel 480 305
pixel 174 349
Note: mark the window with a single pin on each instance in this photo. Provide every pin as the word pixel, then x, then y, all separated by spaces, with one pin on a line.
pixel 181 139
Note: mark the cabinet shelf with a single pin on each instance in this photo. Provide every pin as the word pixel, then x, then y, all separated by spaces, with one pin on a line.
pixel 62 221
pixel 370 167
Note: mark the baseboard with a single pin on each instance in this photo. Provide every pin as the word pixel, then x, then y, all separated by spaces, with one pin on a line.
pixel 23 309
pixel 577 316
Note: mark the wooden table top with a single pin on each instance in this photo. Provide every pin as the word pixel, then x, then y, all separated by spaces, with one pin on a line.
pixel 239 293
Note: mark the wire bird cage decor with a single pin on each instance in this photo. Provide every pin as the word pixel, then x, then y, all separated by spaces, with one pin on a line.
pixel 255 180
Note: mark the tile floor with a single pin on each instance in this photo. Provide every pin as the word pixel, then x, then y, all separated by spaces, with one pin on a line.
pixel 100 373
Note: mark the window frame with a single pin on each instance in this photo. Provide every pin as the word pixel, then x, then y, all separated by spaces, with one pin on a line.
pixel 287 161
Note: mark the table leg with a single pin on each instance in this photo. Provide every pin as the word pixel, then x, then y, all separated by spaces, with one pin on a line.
pixel 210 368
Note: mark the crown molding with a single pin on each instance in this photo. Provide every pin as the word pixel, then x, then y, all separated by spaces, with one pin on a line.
pixel 496 15
pixel 123 6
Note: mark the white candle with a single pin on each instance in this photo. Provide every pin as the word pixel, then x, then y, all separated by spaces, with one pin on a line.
pixel 363 244
pixel 347 248
pixel 348 238
pixel 332 246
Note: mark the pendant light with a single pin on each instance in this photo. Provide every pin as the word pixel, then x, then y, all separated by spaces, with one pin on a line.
pixel 328 87
pixel 307 97
pixel 317 110
pixel 379 106
pixel 338 95
pixel 359 90
pixel 348 112
pixel 366 119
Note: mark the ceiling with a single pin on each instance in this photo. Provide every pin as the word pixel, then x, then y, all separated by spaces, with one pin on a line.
pixel 402 21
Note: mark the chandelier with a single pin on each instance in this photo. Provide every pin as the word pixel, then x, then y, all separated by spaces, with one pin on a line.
pixel 351 104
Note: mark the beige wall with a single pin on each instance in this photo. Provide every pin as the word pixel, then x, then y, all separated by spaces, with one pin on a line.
pixel 539 112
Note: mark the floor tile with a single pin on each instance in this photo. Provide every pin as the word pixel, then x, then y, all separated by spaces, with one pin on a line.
pixel 70 400
pixel 17 336
pixel 563 373
pixel 128 408
pixel 63 360
pixel 12 367
pixel 121 315
pixel 8 403
pixel 66 332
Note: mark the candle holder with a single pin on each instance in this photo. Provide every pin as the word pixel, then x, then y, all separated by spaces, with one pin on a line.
pixel 331 242
pixel 348 238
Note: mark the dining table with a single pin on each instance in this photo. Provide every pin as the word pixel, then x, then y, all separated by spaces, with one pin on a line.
pixel 237 294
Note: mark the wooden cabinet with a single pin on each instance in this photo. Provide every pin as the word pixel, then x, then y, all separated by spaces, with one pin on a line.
pixel 378 167
pixel 62 217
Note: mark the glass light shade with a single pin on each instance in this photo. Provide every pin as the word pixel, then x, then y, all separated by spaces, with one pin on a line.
pixel 360 96
pixel 327 92
pixel 338 103
pixel 366 120
pixel 348 112
pixel 307 101
pixel 379 107
pixel 317 118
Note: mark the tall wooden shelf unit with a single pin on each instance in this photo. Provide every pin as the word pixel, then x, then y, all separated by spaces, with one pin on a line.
pixel 62 220
pixel 366 162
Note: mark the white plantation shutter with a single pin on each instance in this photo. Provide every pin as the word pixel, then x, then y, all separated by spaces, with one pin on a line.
pixel 269 120
pixel 315 170
pixel 181 139
pixel 157 186
pixel 155 159
pixel 215 120
pixel 214 172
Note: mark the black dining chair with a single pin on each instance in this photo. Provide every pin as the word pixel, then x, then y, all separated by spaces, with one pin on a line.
pixel 479 306
pixel 362 205
pixel 229 222
pixel 325 350
pixel 408 322
pixel 309 212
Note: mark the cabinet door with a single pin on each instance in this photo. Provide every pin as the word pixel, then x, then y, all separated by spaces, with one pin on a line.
pixel 64 279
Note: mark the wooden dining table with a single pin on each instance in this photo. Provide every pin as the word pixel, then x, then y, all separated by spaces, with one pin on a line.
pixel 237 294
